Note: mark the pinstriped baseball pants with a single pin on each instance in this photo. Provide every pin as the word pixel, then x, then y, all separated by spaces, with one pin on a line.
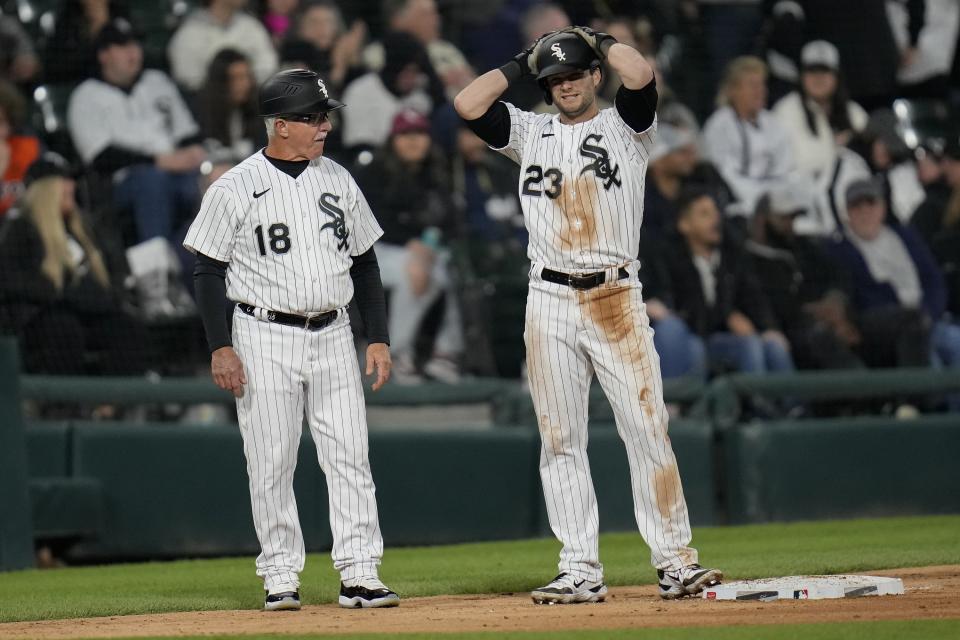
pixel 289 371
pixel 571 335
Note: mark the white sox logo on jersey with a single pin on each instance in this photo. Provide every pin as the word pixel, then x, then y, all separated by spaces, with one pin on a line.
pixel 337 226
pixel 601 161
pixel 558 52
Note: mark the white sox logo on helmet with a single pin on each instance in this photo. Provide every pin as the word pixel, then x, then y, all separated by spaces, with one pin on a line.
pixel 323 88
pixel 558 52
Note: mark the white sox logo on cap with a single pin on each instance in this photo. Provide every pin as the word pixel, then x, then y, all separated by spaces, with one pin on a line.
pixel 558 52
pixel 323 88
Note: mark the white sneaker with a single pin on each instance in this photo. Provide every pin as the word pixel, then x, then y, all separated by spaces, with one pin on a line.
pixel 688 581
pixel 442 369
pixel 568 589
pixel 366 593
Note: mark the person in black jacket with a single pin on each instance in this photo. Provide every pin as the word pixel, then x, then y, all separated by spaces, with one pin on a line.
pixel 807 292
pixel 56 295
pixel 408 185
pixel 713 290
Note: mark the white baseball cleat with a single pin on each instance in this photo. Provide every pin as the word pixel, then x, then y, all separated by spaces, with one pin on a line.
pixel 568 589
pixel 367 593
pixel 688 581
pixel 286 601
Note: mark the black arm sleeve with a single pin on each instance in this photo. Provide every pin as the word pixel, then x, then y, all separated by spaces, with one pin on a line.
pixel 113 158
pixel 210 285
pixel 493 127
pixel 368 296
pixel 637 107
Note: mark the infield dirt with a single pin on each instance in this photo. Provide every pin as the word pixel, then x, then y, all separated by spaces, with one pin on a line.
pixel 931 592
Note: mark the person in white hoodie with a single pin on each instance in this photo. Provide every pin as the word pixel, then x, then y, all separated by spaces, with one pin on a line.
pixel 221 24
pixel 747 145
pixel 819 116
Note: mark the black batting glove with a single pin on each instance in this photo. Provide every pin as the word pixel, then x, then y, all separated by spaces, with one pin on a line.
pixel 599 41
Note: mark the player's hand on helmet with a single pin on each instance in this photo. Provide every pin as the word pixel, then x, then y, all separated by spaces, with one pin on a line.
pixel 378 360
pixel 599 41
pixel 227 370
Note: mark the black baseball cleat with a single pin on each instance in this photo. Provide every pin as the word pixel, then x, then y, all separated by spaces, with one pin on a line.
pixel 567 589
pixel 688 581
pixel 286 601
pixel 367 593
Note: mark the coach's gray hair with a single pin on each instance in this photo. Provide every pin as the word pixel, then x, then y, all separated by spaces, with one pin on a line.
pixel 268 123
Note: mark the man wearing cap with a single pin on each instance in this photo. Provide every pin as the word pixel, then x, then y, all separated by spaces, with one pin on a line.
pixel 288 237
pixel 896 281
pixel 807 292
pixel 132 125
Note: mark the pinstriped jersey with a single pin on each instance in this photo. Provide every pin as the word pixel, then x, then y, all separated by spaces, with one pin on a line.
pixel 581 187
pixel 288 241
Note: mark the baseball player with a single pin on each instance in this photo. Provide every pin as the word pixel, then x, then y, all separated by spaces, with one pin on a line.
pixel 581 190
pixel 288 236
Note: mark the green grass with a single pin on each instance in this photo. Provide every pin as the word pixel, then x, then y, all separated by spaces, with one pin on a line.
pixel 887 630
pixel 230 583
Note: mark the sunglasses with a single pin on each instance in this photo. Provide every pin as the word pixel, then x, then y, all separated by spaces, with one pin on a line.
pixel 312 119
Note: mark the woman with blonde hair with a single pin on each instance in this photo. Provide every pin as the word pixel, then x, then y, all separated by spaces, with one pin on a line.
pixel 55 294
pixel 743 140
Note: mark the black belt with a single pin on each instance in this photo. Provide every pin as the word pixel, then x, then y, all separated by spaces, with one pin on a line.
pixel 581 281
pixel 313 322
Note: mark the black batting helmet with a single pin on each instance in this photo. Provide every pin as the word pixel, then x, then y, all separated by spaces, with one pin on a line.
pixel 295 91
pixel 563 52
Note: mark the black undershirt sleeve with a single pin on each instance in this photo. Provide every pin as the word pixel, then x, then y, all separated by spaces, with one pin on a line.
pixel 638 107
pixel 493 127
pixel 368 296
pixel 210 286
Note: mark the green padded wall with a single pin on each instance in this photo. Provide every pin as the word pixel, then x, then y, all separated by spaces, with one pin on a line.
pixel 48 449
pixel 436 487
pixel 811 469
pixel 16 535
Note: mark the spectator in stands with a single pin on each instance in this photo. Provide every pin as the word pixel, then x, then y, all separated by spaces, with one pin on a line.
pixel 421 19
pixel 782 35
pixel 925 70
pixel 219 25
pixel 487 183
pixel 713 290
pixel 933 163
pixel 806 290
pixel 70 54
pixel 132 125
pixel 18 149
pixel 892 162
pixel 896 280
pixel 869 55
pixel 744 141
pixel 406 81
pixel 819 116
pixel 318 41
pixel 409 188
pixel 729 29
pixel 228 112
pixel 938 221
pixel 56 294
pixel 18 61
pixel 278 17
pixel 672 161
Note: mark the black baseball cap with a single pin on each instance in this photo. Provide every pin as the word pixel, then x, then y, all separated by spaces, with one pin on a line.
pixel 48 164
pixel 116 32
